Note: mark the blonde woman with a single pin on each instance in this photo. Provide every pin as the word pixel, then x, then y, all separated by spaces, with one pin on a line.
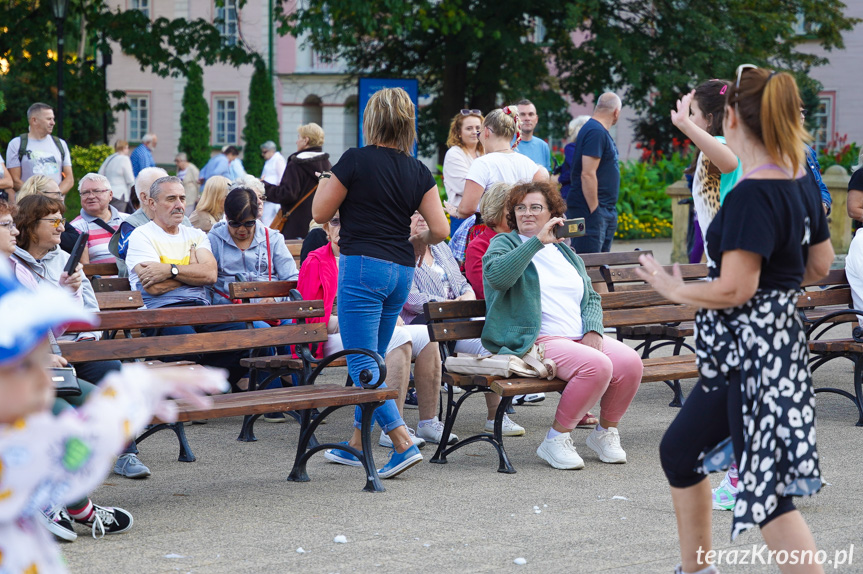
pixel 211 206
pixel 464 147
pixel 376 189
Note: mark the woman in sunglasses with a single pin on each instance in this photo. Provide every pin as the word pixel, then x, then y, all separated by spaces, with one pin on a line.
pixel 754 402
pixel 464 147
pixel 245 249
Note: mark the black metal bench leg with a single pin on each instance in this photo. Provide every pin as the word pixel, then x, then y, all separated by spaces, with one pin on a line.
pixel 373 481
pixel 186 454
pixel 298 472
pixel 247 433
pixel 674 385
pixel 858 390
pixel 505 465
pixel 452 408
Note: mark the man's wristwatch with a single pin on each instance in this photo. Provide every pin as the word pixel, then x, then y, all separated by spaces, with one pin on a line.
pixel 174 271
pixel 325 175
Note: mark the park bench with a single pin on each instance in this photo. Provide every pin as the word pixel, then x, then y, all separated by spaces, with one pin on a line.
pixel 456 320
pixel 250 404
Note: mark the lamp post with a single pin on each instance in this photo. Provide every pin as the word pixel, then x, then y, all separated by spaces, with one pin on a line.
pixel 61 11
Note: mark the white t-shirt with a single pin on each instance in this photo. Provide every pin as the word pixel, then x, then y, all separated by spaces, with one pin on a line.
pixel 497 167
pixel 43 159
pixel 149 242
pixel 561 291
pixel 456 164
pixel 274 168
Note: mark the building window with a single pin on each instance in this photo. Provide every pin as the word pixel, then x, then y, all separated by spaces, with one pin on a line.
pixel 225 131
pixel 822 122
pixel 226 21
pixel 805 28
pixel 139 117
pixel 142 6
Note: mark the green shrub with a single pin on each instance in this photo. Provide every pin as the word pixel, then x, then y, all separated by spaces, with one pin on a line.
pixel 195 119
pixel 84 160
pixel 643 207
pixel 262 122
pixel 839 152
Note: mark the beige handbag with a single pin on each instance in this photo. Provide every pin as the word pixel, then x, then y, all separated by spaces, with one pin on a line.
pixel 532 365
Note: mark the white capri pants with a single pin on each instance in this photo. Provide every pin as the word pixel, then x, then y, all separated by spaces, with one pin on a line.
pixel 418 335
pixel 854 271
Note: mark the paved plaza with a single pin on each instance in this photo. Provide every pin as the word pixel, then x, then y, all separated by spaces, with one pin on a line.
pixel 232 511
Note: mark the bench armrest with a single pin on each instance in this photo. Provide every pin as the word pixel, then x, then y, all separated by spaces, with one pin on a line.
pixel 857 333
pixel 365 374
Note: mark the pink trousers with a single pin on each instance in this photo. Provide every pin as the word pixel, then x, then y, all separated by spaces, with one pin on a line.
pixel 612 374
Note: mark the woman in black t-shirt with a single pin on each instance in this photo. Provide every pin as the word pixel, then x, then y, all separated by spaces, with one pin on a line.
pixel 376 189
pixel 754 399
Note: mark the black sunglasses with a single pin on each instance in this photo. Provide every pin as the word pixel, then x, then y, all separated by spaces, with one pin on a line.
pixel 246 224
pixel 471 112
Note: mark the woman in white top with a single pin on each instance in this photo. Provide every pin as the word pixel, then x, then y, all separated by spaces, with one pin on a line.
pixel 500 162
pixel 117 167
pixel 464 147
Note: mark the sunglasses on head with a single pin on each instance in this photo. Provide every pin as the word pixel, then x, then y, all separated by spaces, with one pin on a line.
pixel 467 112
pixel 246 224
pixel 740 69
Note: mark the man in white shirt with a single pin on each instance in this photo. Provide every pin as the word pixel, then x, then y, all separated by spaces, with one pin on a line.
pixel 533 147
pixel 42 153
pixel 274 168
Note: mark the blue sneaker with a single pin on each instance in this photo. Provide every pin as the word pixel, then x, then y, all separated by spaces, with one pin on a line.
pixel 130 466
pixel 340 456
pixel 411 399
pixel 400 462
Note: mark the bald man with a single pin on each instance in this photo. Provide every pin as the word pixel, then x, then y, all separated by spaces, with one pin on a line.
pixel 596 178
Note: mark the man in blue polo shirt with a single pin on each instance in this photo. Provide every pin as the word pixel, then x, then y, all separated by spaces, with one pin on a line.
pixel 533 147
pixel 595 180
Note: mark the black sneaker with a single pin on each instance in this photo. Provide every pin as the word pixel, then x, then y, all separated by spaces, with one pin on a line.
pixel 58 523
pixel 108 520
pixel 411 399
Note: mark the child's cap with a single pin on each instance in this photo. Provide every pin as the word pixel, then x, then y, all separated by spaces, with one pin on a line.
pixel 26 316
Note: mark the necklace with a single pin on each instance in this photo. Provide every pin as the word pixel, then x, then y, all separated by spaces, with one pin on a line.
pixel 505 150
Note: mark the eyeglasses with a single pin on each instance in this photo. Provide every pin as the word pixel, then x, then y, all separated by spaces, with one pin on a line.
pixel 55 222
pixel 535 209
pixel 94 192
pixel 467 112
pixel 740 69
pixel 10 225
pixel 803 112
pixel 246 224
pixel 335 222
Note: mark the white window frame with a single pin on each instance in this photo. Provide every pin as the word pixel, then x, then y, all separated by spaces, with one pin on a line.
pixel 823 120
pixel 227 21
pixel 143 6
pixel 226 129
pixel 139 125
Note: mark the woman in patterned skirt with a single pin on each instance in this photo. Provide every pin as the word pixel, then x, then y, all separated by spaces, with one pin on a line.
pixel 754 400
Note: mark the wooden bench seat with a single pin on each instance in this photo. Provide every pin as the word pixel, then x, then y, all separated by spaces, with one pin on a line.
pixel 456 320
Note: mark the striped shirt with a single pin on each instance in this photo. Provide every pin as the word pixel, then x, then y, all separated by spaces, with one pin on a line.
pixel 97 245
pixel 428 285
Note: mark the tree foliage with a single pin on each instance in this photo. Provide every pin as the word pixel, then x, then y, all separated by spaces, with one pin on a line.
pixel 28 42
pixel 262 122
pixel 481 53
pixel 195 119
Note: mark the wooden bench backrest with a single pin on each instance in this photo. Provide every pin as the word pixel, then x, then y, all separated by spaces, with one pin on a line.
pixel 119 300
pixel 104 269
pixel 614 258
pixel 258 289
pixel 456 320
pixel 623 278
pixel 295 246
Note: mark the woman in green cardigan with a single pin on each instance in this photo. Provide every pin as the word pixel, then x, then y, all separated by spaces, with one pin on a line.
pixel 537 291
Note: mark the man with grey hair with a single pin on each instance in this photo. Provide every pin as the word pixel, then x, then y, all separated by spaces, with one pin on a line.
pixel 142 157
pixel 172 264
pixel 189 173
pixel 38 152
pixel 274 168
pixel 595 178
pixel 98 217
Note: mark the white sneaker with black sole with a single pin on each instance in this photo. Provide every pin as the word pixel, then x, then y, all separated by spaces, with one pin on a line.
pixel 58 523
pixel 531 399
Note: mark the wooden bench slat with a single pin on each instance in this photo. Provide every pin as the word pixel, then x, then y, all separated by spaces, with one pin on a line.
pixel 107 284
pixel 106 269
pixel 119 300
pixel 613 258
pixel 630 299
pixel 834 277
pixel 284 362
pixel 255 289
pixel 648 315
pixel 687 271
pixel 455 330
pixel 836 346
pixel 823 297
pixel 175 345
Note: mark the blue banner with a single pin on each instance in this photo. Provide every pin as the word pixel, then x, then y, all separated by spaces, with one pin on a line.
pixel 368 86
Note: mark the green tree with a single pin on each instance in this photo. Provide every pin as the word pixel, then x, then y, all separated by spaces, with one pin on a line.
pixel 481 53
pixel 262 122
pixel 28 40
pixel 195 118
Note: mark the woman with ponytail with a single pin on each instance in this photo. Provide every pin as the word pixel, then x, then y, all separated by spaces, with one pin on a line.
pixel 754 402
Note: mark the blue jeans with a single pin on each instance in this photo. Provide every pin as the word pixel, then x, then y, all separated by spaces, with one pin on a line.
pixel 599 230
pixel 371 294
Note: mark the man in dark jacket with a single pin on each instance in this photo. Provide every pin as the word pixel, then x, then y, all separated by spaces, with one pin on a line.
pixel 294 193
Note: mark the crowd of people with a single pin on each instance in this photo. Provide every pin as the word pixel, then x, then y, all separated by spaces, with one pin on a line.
pixel 374 230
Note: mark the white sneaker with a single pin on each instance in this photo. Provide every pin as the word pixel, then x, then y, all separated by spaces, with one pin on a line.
pixel 433 432
pixel 560 453
pixel 455 390
pixel 509 428
pixel 386 441
pixel 531 399
pixel 606 444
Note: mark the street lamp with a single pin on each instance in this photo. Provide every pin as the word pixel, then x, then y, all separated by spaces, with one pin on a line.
pixel 61 11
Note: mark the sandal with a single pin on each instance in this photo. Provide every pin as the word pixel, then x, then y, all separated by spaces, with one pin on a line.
pixel 588 421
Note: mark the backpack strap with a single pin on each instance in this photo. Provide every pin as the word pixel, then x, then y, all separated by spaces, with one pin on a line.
pixel 25 138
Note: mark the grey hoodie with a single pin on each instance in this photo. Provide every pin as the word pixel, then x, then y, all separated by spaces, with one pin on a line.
pixel 49 268
pixel 251 264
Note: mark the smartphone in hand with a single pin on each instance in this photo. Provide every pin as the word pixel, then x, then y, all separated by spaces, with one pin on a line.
pixel 77 252
pixel 570 228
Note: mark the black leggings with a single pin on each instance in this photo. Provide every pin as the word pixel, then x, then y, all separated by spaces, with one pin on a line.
pixel 707 418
